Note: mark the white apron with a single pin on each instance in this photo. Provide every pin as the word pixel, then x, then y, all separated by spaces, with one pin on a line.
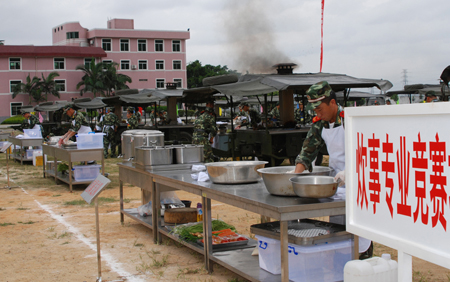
pixel 83 129
pixel 335 140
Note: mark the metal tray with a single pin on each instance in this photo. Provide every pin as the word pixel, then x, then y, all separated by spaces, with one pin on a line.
pixel 226 245
pixel 304 231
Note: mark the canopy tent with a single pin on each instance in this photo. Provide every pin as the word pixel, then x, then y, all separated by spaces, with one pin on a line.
pixel 96 103
pixel 50 107
pixel 258 84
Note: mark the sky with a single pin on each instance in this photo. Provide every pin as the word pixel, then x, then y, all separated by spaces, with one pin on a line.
pixel 396 40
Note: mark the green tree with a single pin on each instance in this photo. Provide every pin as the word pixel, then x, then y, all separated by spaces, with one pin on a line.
pixel 101 79
pixel 30 87
pixel 92 80
pixel 48 85
pixel 196 72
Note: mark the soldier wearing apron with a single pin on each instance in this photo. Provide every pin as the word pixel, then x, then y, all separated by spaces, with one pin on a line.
pixel 328 129
pixel 30 121
pixel 79 124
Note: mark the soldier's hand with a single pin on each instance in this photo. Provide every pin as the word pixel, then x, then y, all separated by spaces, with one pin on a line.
pixel 299 168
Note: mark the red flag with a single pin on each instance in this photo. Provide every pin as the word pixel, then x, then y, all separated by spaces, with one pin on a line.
pixel 321 37
pixel 140 110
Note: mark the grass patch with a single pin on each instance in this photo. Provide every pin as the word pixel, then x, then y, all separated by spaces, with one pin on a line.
pixel 65 234
pixel 56 195
pixel 136 244
pixel 6 224
pixel 27 222
pixel 75 203
pixel 21 208
pixel 101 200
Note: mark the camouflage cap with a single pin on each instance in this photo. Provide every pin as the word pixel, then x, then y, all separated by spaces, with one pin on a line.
pixel 317 92
pixel 26 110
pixel 67 107
pixel 430 93
pixel 130 109
pixel 243 104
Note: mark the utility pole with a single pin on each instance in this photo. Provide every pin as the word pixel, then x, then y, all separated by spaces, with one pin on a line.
pixel 405 77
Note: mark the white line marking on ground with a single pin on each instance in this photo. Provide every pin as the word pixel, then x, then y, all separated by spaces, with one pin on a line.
pixel 110 260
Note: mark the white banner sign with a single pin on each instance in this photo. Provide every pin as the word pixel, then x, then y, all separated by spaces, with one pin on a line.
pixel 398 177
pixel 95 188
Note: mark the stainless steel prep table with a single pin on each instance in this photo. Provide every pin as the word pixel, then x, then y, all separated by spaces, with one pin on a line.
pixel 22 142
pixel 70 155
pixel 252 197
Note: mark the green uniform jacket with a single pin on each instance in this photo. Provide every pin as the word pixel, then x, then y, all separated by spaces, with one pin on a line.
pixel 30 122
pixel 110 120
pixel 275 113
pixel 314 140
pixel 80 120
pixel 132 122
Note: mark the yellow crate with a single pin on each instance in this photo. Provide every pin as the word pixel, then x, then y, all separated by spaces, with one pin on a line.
pixel 39 160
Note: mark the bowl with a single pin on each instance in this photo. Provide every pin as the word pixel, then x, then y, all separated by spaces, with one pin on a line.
pixel 235 172
pixel 314 186
pixel 276 179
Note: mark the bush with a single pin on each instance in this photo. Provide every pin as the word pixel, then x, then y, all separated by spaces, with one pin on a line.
pixel 14 120
pixel 92 114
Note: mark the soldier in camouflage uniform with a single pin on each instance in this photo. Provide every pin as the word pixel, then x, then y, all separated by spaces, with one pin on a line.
pixel 301 116
pixel 205 130
pixel 131 119
pixel 30 121
pixel 275 112
pixel 328 128
pixel 252 117
pixel 79 124
pixel 109 125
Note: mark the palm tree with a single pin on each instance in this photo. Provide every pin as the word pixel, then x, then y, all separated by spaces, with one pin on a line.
pixel 48 85
pixel 114 80
pixel 101 79
pixel 92 80
pixel 31 87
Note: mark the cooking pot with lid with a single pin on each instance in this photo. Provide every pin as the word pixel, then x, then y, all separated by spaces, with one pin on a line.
pixel 153 155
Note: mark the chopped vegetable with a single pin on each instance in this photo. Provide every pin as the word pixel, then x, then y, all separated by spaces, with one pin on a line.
pixel 192 233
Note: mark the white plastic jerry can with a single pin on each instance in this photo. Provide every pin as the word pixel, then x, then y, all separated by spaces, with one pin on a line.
pixel 374 269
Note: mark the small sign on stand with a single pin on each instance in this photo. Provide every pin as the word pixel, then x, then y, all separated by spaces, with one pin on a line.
pixel 4 149
pixel 89 194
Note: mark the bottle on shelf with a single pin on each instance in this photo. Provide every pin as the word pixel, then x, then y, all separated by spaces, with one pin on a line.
pixel 199 212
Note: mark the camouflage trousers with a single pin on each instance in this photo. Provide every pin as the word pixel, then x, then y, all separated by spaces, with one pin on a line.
pixel 109 140
pixel 207 149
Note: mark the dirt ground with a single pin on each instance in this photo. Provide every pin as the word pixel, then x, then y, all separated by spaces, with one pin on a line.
pixel 48 234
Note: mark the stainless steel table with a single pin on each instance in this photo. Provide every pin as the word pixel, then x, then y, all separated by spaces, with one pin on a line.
pixel 4 135
pixel 22 142
pixel 252 197
pixel 70 155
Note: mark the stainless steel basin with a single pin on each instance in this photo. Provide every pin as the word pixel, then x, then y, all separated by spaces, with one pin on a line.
pixel 235 172
pixel 276 179
pixel 153 155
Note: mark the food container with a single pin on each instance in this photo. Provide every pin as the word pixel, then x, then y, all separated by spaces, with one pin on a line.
pixel 276 179
pixel 134 138
pixel 86 172
pixel 315 186
pixel 188 154
pixel 90 140
pixel 153 155
pixel 235 172
pixel 32 133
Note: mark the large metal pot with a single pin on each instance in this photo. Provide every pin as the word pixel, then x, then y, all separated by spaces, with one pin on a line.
pixel 235 172
pixel 315 186
pixel 188 154
pixel 276 179
pixel 153 155
pixel 137 138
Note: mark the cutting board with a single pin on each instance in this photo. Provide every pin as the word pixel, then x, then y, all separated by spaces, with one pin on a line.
pixel 180 215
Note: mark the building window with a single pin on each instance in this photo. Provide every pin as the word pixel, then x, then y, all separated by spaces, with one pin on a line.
pixel 160 83
pixel 60 85
pixel 124 45
pixel 176 46
pixel 142 65
pixel 125 65
pixel 72 34
pixel 15 108
pixel 142 45
pixel 59 63
pixel 107 62
pixel 159 65
pixel 13 84
pixel 159 45
pixel 177 65
pixel 106 44
pixel 87 62
pixel 14 63
pixel 179 82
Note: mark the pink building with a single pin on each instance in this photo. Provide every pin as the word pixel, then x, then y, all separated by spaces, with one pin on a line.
pixel 150 57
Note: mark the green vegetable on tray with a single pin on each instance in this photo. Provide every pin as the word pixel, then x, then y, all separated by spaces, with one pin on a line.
pixel 192 233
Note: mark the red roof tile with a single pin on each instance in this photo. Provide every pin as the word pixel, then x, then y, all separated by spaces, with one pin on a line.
pixel 50 51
